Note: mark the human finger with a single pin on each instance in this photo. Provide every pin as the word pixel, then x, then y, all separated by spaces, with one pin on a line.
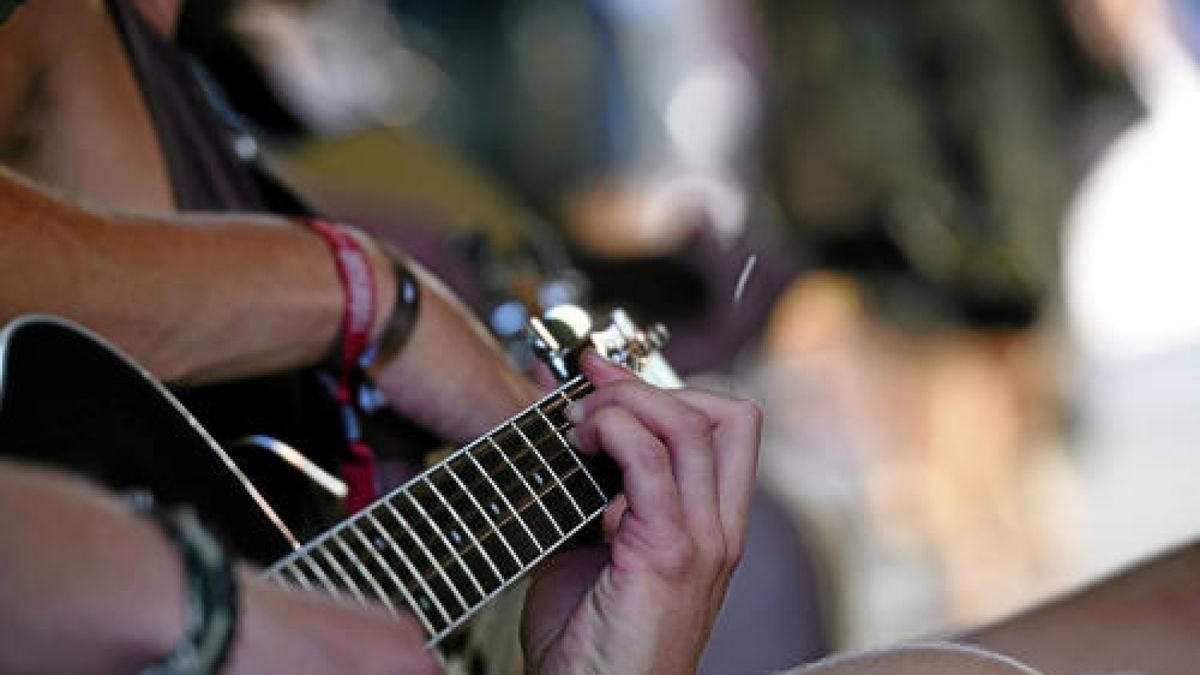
pixel 687 436
pixel 543 376
pixel 600 371
pixel 736 435
pixel 611 518
pixel 649 485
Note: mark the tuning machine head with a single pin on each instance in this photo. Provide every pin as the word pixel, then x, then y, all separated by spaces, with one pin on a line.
pixel 623 342
pixel 560 336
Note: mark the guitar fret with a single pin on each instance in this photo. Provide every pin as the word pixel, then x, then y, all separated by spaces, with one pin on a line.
pixel 504 497
pixel 428 554
pixel 321 576
pixel 455 554
pixel 453 541
pixel 571 451
pixel 357 562
pixel 408 598
pixel 429 594
pixel 543 478
pixel 297 575
pixel 537 453
pixel 341 572
pixel 470 533
pixel 521 477
pixel 486 519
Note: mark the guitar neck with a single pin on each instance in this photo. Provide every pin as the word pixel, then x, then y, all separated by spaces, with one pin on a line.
pixel 465 529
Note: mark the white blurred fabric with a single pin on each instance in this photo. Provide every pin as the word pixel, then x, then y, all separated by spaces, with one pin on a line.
pixel 1132 290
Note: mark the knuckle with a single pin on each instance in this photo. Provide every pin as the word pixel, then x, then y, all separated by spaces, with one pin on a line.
pixel 606 418
pixel 696 424
pixel 680 559
pixel 652 458
pixel 622 390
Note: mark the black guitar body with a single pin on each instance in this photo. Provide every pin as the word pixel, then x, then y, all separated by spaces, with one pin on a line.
pixel 71 401
pixel 441 546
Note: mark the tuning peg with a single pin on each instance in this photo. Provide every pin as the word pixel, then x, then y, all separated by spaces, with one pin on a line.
pixel 558 336
pixel 625 343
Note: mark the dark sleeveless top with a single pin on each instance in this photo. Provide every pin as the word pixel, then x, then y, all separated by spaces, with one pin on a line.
pixel 208 175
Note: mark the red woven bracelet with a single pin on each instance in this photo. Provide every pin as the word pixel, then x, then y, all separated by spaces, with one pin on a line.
pixel 358 287
pixel 358 317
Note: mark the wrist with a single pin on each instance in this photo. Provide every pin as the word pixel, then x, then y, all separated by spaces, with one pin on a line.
pixel 358 279
pixel 399 310
pixel 380 258
pixel 211 594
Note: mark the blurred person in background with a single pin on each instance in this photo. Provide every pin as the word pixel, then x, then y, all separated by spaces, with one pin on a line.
pixel 917 151
pixel 1130 282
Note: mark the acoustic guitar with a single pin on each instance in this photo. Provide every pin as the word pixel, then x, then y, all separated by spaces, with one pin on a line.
pixel 439 547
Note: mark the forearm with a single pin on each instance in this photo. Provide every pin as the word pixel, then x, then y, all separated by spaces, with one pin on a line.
pixel 86 587
pixel 452 376
pixel 206 298
pixel 1143 620
pixel 191 299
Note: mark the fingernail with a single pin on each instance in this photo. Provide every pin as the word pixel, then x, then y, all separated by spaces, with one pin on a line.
pixel 572 438
pixel 574 413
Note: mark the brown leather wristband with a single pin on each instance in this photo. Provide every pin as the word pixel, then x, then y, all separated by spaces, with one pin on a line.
pixel 402 319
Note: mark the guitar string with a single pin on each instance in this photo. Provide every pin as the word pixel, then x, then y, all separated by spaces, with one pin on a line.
pixel 440 564
pixel 509 487
pixel 521 477
pixel 563 448
pixel 523 507
pixel 525 448
pixel 489 524
pixel 427 575
pixel 517 428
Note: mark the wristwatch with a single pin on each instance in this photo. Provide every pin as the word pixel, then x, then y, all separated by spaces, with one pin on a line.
pixel 7 7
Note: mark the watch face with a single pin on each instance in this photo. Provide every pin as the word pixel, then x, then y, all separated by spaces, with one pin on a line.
pixel 7 7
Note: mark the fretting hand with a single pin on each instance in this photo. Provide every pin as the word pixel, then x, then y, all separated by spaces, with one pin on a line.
pixel 645 602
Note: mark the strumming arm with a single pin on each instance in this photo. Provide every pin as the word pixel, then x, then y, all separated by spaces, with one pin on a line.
pixel 72 561
pixel 89 588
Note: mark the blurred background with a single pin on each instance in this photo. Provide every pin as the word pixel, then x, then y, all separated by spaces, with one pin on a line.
pixel 947 244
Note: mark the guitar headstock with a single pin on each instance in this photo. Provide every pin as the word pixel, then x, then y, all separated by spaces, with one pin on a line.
pixel 559 336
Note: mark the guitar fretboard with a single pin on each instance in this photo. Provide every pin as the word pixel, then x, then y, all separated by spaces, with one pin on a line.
pixel 456 535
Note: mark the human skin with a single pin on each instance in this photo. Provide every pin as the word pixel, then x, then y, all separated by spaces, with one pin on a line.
pixel 77 558
pixel 193 299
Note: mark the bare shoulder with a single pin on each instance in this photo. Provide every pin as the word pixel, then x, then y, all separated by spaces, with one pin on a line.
pixel 18 65
pixel 30 42
pixel 919 659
